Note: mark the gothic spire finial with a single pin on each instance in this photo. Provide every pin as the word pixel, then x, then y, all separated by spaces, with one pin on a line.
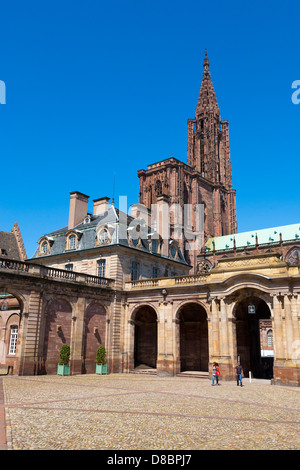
pixel 206 61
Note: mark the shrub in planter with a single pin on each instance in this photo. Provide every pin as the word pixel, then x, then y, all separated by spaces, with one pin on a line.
pixel 101 366
pixel 63 367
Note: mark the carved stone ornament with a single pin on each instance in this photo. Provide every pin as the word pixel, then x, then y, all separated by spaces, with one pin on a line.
pixel 293 256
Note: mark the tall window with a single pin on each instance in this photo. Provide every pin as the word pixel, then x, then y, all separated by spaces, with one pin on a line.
pixel 101 268
pixel 69 267
pixel 135 271
pixel 154 273
pixel 44 247
pixel 72 242
pixel 270 338
pixel 13 340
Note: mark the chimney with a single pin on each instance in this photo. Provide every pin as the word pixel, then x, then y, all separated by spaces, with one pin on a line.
pixel 101 205
pixel 162 217
pixel 78 208
pixel 139 210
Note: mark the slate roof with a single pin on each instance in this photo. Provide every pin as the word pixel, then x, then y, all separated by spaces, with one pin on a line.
pixel 117 223
pixel 9 246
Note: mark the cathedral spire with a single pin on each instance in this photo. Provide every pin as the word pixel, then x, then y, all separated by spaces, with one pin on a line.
pixel 207 101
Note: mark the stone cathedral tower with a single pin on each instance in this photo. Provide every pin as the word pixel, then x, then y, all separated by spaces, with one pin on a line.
pixel 204 181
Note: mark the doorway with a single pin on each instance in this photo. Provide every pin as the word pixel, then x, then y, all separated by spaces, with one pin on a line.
pixel 252 315
pixel 193 335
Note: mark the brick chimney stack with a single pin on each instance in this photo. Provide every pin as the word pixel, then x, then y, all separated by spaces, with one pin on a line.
pixel 101 205
pixel 78 208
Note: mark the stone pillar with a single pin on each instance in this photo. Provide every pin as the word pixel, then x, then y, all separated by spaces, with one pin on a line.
pixel 288 326
pixel 214 348
pixel 77 336
pixel 31 342
pixel 225 358
pixel 279 352
pixel 165 340
pixel 286 363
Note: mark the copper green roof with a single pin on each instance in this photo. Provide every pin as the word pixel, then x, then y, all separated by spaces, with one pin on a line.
pixel 261 237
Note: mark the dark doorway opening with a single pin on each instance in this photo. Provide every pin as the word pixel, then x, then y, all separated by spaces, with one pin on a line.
pixel 193 338
pixel 251 313
pixel 145 337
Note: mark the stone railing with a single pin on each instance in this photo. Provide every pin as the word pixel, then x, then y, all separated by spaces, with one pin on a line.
pixel 167 281
pixel 25 268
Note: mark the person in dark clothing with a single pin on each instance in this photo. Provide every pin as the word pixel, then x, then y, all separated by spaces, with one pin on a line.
pixel 239 374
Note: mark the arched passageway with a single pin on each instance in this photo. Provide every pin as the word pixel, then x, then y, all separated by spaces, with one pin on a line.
pixel 10 323
pixel 193 337
pixel 94 335
pixel 253 317
pixel 145 337
pixel 57 332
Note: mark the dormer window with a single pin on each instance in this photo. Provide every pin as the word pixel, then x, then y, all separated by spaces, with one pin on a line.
pixel 44 246
pixel 103 236
pixel 173 249
pixel 72 238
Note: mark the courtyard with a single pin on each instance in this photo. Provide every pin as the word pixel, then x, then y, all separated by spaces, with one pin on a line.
pixel 136 412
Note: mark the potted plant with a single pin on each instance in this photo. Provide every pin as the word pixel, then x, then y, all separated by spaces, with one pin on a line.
pixel 63 367
pixel 101 366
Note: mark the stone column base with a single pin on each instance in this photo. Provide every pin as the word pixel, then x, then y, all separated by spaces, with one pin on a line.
pixel 285 373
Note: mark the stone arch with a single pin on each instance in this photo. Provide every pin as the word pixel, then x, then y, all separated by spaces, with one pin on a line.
pixel 144 320
pixel 191 319
pixel 138 306
pixel 195 301
pixel 94 334
pixel 250 308
pixel 58 327
pixel 10 318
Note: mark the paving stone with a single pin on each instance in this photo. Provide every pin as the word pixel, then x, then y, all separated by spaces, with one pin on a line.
pixel 134 412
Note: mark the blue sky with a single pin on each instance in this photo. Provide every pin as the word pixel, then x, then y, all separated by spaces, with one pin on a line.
pixel 97 88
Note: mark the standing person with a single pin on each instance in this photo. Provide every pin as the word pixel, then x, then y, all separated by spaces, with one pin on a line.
pixel 239 374
pixel 215 373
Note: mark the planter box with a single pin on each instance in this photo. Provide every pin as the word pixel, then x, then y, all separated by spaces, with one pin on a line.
pixel 63 370
pixel 101 368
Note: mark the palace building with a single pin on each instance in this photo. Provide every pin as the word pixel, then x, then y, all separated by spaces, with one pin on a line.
pixel 167 290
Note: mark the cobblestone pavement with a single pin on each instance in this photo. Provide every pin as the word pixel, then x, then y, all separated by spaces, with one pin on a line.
pixel 134 412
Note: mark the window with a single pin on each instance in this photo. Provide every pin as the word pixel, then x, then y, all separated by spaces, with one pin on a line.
pixel 4 305
pixel 72 242
pixel 270 338
pixel 69 267
pixel 101 268
pixel 13 340
pixel 103 236
pixel 154 246
pixel 135 271
pixel 44 247
pixel 154 273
